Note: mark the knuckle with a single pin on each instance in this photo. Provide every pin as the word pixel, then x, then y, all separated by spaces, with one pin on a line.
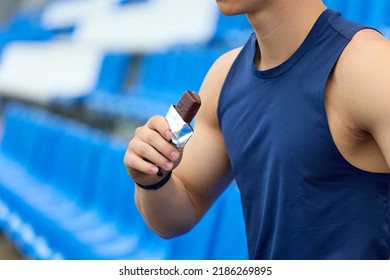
pixel 130 165
pixel 152 121
pixel 156 121
pixel 143 150
pixel 148 138
pixel 128 159
pixel 157 118
pixel 138 131
pixel 131 147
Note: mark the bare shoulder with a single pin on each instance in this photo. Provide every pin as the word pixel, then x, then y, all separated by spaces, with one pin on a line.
pixel 228 58
pixel 362 75
pixel 213 82
pixel 222 65
pixel 367 52
pixel 368 38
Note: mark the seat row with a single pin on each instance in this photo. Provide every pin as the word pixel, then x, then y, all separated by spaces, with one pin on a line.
pixel 65 194
pixel 157 80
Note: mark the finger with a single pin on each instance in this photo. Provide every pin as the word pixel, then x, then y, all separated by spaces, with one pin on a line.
pixel 135 163
pixel 154 139
pixel 160 124
pixel 149 153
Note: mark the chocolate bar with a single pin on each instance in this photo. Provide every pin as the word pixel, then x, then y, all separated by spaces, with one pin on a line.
pixel 188 105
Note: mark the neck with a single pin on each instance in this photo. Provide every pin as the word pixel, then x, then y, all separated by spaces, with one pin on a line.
pixel 281 29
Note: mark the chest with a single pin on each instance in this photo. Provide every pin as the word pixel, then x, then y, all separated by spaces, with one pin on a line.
pixel 279 122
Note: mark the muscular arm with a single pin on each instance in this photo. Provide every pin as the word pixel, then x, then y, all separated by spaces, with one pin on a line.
pixel 364 74
pixel 204 170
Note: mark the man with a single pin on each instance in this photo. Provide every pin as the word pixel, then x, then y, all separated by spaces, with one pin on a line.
pixel 300 117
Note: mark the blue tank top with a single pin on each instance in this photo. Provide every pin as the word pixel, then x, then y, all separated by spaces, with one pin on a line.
pixel 301 198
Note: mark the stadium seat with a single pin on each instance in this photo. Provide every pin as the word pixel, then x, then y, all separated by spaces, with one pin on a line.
pixel 229 240
pixel 27 26
pixel 76 202
pixel 161 80
pixel 113 73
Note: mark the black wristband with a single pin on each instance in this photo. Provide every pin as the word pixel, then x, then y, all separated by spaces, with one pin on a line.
pixel 157 185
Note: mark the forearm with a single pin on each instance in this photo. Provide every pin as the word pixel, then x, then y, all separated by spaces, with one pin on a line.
pixel 169 211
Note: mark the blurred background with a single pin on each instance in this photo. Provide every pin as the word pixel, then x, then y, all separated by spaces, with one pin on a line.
pixel 76 78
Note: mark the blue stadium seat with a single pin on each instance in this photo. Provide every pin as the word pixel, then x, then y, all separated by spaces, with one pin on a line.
pixel 83 207
pixel 113 73
pixel 55 204
pixel 45 154
pixel 229 240
pixel 27 26
pixel 136 240
pixel 161 80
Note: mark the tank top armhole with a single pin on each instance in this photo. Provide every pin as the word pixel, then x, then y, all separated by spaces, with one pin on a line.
pixel 325 121
pixel 348 30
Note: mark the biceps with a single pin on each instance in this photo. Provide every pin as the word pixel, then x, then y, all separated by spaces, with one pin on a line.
pixel 205 167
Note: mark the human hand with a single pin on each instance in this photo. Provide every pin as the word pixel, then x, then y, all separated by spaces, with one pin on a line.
pixel 150 155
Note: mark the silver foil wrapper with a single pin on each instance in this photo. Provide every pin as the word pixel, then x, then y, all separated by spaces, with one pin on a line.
pixel 181 131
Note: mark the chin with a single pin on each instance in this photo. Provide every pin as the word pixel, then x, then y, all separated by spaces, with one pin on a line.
pixel 230 12
pixel 230 7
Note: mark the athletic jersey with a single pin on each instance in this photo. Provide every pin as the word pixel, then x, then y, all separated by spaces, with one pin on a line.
pixel 301 198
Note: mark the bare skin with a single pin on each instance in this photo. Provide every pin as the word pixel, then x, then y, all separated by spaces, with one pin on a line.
pixel 357 102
